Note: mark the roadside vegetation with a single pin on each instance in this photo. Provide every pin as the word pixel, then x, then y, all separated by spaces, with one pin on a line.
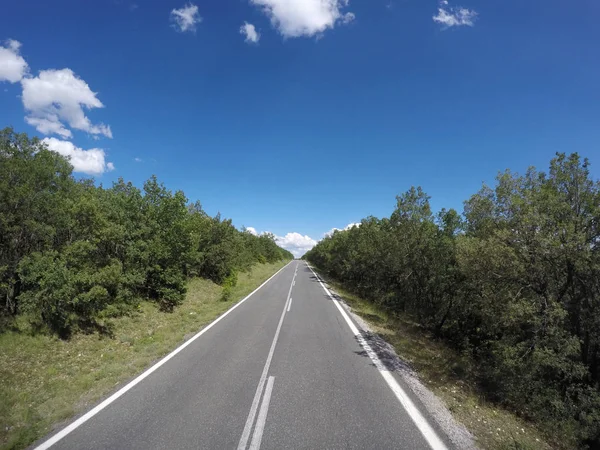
pixel 94 281
pixel 450 375
pixel 510 289
pixel 74 255
pixel 45 380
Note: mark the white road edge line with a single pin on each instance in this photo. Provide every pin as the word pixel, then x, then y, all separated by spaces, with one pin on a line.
pixel 426 430
pixel 262 416
pixel 289 305
pixel 87 416
pixel 261 382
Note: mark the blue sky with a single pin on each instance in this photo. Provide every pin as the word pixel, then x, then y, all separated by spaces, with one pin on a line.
pixel 335 109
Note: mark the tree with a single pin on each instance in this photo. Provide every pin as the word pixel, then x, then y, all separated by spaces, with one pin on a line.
pixel 34 188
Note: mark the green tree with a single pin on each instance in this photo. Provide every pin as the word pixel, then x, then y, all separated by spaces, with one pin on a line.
pixel 34 188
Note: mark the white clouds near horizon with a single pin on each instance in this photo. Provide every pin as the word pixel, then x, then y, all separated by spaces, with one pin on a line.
pixel 347 227
pixel 296 243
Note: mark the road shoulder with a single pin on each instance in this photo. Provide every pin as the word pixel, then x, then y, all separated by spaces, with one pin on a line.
pixel 443 420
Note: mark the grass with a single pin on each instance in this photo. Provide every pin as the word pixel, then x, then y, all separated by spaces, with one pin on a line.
pixel 449 375
pixel 45 380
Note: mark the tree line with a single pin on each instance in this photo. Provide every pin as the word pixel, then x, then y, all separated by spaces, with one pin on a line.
pixel 513 282
pixel 73 254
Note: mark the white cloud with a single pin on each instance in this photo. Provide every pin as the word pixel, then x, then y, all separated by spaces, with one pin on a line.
pixel 252 230
pixel 454 17
pixel 58 96
pixel 296 18
pixel 347 227
pixel 296 243
pixel 138 160
pixel 12 65
pixel 250 32
pixel 348 17
pixel 90 161
pixel 185 19
pixel 49 125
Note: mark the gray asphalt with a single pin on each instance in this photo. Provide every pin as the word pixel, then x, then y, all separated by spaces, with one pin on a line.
pixel 326 393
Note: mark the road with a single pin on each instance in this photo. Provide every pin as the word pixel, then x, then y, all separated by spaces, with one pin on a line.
pixel 285 369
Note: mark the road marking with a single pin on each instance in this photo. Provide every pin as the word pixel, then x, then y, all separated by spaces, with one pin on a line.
pixel 289 305
pixel 426 430
pixel 87 416
pixel 262 416
pixel 263 377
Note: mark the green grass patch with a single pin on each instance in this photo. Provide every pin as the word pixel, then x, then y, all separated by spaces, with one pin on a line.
pixel 45 380
pixel 451 376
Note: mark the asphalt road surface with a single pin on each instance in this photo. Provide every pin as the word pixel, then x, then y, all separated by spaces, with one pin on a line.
pixel 284 369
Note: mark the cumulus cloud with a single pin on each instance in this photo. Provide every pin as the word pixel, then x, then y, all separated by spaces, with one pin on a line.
pixel 91 162
pixel 49 125
pixel 347 227
pixel 454 17
pixel 296 18
pixel 185 19
pixel 296 243
pixel 250 32
pixel 56 97
pixel 252 230
pixel 12 65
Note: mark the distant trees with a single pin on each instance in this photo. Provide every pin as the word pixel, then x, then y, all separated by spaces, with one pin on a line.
pixel 514 282
pixel 72 253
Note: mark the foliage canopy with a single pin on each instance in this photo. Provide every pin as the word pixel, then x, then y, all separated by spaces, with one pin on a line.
pixel 72 253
